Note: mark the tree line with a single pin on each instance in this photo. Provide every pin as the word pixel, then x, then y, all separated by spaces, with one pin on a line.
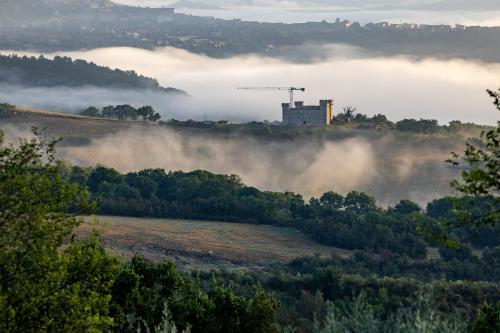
pixel 307 287
pixel 353 221
pixel 422 126
pixel 123 112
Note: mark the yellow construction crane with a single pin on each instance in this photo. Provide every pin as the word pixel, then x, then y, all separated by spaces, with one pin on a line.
pixel 291 90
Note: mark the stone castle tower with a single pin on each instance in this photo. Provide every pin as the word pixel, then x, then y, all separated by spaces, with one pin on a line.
pixel 308 115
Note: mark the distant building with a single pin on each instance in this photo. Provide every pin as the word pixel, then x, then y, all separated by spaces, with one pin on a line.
pixel 167 15
pixel 134 15
pixel 308 115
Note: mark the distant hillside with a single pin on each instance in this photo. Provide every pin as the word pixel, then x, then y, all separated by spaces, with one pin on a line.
pixel 193 5
pixel 63 71
pixel 37 11
pixel 387 163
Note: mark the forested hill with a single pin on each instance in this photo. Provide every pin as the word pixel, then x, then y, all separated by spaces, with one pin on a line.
pixel 63 71
pixel 353 222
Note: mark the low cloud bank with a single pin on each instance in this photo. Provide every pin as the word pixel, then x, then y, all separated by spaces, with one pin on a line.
pixel 389 167
pixel 398 87
pixel 74 100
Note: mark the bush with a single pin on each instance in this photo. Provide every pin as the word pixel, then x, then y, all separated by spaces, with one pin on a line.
pixel 359 316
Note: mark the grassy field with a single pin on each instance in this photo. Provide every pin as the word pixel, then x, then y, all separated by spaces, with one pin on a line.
pixel 200 244
pixel 85 128
pixel 68 125
pixel 80 127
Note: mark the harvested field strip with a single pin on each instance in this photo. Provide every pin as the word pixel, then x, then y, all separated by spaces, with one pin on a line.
pixel 240 244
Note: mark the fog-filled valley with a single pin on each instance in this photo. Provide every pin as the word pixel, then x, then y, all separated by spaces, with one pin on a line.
pixel 398 87
pixel 250 166
pixel 388 166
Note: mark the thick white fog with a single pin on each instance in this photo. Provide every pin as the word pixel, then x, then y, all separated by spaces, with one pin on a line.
pixel 68 99
pixel 398 87
pixel 390 166
pixel 477 12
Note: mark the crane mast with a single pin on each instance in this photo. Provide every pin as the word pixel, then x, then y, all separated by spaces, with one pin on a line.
pixel 291 90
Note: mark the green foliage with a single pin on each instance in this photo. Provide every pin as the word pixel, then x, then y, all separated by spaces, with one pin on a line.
pixel 352 222
pixel 378 119
pixel 350 114
pixel 167 325
pixel 143 290
pixel 50 282
pixel 405 207
pixel 418 294
pixel 44 287
pixel 6 109
pixel 148 113
pixel 63 71
pixel 123 112
pixel 359 125
pixel 453 265
pixel 482 176
pixel 488 320
pixel 425 126
pixel 360 316
pixel 453 221
pixel 480 181
pixel 91 112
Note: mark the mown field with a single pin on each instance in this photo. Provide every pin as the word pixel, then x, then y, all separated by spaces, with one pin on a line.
pixel 205 245
pixel 67 125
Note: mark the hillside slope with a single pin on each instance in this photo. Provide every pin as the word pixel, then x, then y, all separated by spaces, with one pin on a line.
pixel 198 244
pixel 387 164
pixel 64 71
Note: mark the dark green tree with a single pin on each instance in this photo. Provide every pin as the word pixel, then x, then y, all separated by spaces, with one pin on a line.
pixel 148 113
pixel 6 109
pixel 405 207
pixel 359 202
pixel 488 320
pixel 91 112
pixel 45 287
pixel 332 199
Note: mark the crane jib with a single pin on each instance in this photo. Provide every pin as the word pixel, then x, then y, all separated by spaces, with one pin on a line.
pixel 289 89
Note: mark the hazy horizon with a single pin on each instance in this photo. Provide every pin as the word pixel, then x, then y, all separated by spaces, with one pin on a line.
pixel 483 12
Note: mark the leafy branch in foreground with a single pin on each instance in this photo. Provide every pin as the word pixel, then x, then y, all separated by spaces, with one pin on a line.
pixel 481 178
pixel 483 174
pixel 45 287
